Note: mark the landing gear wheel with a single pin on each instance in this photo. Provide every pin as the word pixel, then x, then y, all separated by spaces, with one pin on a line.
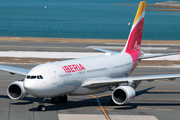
pixel 41 108
pixel 59 99
pixel 63 99
pixel 55 100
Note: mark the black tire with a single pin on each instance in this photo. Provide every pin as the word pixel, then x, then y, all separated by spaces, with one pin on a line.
pixel 60 99
pixel 64 99
pixel 55 100
pixel 41 108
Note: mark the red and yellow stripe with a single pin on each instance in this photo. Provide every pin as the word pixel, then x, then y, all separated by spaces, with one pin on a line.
pixel 141 9
pixel 134 39
pixel 133 44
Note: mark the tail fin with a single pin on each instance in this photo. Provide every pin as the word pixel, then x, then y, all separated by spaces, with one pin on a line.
pixel 134 39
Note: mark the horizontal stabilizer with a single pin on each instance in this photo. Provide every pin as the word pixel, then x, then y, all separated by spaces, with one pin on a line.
pixel 159 55
pixel 106 51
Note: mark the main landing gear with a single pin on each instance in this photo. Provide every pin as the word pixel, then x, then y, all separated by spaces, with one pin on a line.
pixel 59 99
pixel 41 107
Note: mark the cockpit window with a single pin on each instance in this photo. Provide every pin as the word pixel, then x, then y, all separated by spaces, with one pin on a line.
pixel 28 77
pixel 34 77
pixel 41 77
pixel 38 77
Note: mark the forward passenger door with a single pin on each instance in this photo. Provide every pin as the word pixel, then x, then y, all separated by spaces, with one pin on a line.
pixel 53 76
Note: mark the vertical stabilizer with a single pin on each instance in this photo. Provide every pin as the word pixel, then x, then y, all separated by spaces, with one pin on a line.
pixel 134 39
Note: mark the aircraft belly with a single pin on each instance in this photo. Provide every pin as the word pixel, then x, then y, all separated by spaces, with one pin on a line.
pixel 86 91
pixel 55 92
pixel 52 90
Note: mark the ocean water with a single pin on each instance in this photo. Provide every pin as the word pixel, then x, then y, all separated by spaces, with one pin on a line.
pixel 103 19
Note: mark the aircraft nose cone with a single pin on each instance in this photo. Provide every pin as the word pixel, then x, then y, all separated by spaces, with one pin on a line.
pixel 29 85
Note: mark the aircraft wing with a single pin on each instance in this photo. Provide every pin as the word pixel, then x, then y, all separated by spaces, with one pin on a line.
pixel 159 55
pixel 14 70
pixel 106 81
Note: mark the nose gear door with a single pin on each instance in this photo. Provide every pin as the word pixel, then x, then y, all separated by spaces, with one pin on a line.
pixel 53 76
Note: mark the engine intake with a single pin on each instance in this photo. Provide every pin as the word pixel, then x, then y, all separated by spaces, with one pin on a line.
pixel 16 90
pixel 123 94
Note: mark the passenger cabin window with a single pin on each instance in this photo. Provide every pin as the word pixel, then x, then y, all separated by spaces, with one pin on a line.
pixel 34 77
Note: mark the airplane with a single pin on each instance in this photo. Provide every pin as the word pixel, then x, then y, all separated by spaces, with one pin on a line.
pixel 89 75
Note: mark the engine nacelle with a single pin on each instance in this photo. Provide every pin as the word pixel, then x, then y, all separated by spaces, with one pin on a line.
pixel 123 94
pixel 16 90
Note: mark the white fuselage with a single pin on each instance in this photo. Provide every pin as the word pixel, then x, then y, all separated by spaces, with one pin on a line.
pixel 66 77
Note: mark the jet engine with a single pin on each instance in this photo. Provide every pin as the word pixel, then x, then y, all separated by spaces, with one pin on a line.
pixel 123 94
pixel 16 90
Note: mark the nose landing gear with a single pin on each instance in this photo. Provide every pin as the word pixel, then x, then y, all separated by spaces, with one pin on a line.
pixel 55 100
pixel 41 107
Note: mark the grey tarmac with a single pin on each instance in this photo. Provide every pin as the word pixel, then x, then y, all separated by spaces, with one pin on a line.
pixel 80 47
pixel 154 100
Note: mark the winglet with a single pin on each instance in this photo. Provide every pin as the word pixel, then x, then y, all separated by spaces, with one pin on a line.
pixel 134 39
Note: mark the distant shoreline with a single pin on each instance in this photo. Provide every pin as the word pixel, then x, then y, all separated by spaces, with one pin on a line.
pixel 81 40
pixel 166 5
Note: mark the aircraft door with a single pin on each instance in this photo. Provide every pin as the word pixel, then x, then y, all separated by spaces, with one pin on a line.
pixel 74 80
pixel 75 76
pixel 53 76
pixel 110 68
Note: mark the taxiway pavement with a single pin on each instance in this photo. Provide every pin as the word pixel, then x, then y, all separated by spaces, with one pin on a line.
pixel 80 47
pixel 154 100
